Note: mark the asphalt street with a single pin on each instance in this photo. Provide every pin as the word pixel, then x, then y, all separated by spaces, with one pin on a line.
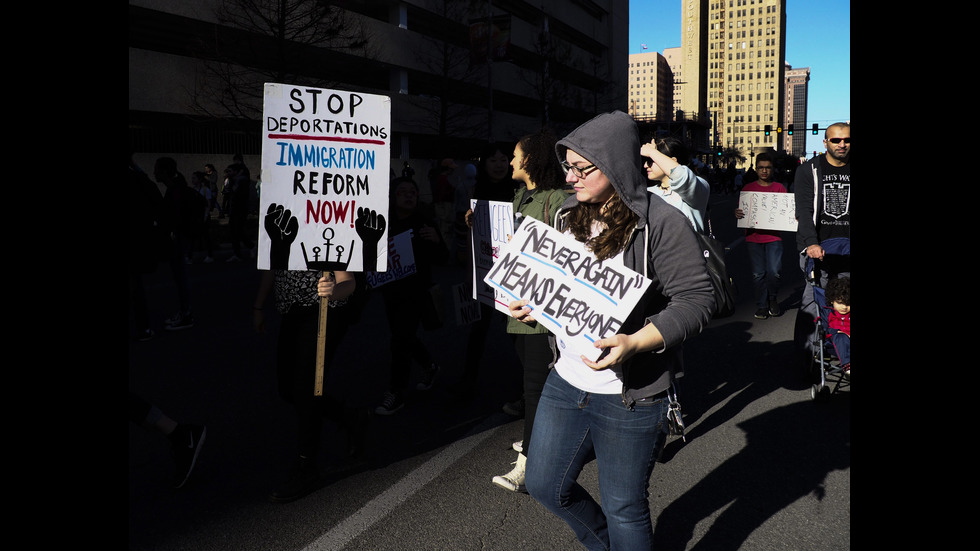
pixel 764 466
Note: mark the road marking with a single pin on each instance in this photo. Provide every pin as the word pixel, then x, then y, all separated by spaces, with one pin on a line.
pixel 346 530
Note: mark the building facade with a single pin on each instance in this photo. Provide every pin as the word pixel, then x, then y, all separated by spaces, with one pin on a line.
pixel 459 72
pixel 797 83
pixel 651 84
pixel 738 47
pixel 673 57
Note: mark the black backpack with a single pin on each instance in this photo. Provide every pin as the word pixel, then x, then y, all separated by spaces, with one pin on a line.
pixel 724 286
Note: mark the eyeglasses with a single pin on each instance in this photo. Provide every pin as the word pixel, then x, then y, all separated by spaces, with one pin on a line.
pixel 578 171
pixel 838 140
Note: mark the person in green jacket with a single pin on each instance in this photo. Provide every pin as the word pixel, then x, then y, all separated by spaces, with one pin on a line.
pixel 535 164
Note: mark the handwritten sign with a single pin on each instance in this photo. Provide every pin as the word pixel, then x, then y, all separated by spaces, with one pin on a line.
pixel 767 211
pixel 493 226
pixel 466 309
pixel 576 297
pixel 401 261
pixel 325 166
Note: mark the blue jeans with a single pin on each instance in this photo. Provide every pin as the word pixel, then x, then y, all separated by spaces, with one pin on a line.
pixel 571 428
pixel 842 345
pixel 767 261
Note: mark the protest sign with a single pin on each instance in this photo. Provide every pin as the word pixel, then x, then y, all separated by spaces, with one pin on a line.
pixel 765 210
pixel 576 297
pixel 325 170
pixel 466 309
pixel 493 225
pixel 401 261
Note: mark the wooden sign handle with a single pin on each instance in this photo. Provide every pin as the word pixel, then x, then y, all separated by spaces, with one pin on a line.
pixel 321 345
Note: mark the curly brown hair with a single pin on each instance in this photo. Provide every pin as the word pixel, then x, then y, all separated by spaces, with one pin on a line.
pixel 616 222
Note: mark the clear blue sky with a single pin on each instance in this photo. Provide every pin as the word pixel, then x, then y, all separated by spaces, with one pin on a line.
pixel 818 36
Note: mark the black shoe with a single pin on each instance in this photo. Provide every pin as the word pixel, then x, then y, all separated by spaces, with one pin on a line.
pixel 774 310
pixel 178 321
pixel 392 402
pixel 186 442
pixel 303 479
pixel 428 378
pixel 515 408
pixel 143 336
pixel 762 313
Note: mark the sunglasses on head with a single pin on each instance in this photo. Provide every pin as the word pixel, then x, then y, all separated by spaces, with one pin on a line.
pixel 838 140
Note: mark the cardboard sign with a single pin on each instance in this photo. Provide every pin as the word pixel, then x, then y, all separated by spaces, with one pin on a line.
pixel 493 226
pixel 766 210
pixel 325 172
pixel 576 297
pixel 401 261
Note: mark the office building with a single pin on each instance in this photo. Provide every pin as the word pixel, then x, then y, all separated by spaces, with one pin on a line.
pixel 797 82
pixel 673 57
pixel 733 57
pixel 651 84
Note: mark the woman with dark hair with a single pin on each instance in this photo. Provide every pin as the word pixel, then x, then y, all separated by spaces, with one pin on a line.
pixel 666 162
pixel 493 183
pixel 536 165
pixel 614 410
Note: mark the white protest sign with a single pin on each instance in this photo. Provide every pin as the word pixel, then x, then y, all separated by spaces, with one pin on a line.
pixel 493 225
pixel 576 297
pixel 325 166
pixel 401 261
pixel 766 210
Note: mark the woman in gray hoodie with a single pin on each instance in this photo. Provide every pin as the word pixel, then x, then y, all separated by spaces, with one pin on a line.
pixel 614 410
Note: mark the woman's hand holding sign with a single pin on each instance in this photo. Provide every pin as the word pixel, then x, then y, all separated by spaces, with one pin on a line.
pixel 520 311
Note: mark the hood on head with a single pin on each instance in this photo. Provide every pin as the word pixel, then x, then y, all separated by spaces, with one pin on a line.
pixel 611 142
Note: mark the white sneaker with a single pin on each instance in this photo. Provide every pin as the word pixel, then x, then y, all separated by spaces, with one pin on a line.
pixel 514 480
pixel 518 446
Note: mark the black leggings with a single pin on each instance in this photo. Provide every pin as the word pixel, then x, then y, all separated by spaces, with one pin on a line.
pixel 296 371
pixel 538 355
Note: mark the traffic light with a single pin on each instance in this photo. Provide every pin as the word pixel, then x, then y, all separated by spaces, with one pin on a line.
pixel 815 129
pixel 789 129
pixel 768 129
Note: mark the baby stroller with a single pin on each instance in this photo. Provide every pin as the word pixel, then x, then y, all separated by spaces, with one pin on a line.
pixel 817 354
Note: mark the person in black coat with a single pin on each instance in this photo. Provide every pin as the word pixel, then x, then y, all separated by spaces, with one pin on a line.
pixel 407 300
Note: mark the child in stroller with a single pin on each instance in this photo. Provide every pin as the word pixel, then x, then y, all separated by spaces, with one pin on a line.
pixel 813 334
pixel 838 296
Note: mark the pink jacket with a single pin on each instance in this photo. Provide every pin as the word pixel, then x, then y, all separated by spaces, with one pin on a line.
pixel 840 322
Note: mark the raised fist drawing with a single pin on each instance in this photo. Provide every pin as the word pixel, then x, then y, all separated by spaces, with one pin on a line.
pixel 282 228
pixel 370 226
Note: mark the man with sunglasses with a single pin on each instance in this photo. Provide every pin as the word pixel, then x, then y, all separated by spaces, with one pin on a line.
pixel 823 193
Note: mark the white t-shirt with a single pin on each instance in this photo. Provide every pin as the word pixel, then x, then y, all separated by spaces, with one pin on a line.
pixel 573 369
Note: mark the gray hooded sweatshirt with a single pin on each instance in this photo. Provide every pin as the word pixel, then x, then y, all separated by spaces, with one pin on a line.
pixel 662 247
